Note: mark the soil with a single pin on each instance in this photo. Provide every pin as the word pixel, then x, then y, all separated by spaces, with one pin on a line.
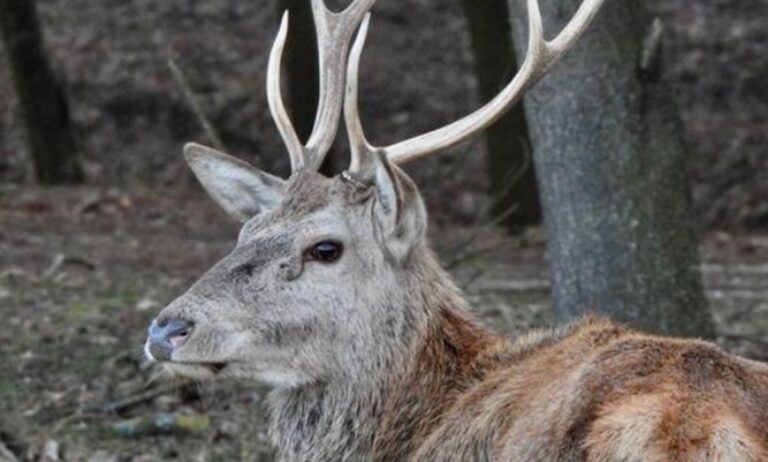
pixel 83 271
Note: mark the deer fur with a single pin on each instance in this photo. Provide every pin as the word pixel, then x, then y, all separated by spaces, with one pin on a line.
pixel 378 357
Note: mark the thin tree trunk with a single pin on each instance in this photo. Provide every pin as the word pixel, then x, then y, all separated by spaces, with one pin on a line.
pixel 510 170
pixel 42 97
pixel 301 71
pixel 611 166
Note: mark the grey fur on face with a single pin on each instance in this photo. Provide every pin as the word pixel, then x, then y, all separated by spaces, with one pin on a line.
pixel 268 311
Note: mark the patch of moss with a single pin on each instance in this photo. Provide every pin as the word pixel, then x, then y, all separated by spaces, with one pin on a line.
pixel 78 311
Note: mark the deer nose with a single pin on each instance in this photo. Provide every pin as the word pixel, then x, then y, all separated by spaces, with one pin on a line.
pixel 166 335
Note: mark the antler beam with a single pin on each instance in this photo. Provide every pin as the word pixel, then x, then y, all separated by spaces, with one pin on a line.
pixel 539 58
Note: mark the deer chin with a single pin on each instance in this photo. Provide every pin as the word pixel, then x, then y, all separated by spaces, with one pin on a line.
pixel 205 371
pixel 195 370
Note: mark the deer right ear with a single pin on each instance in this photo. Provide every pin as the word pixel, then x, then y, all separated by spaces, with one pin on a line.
pixel 242 190
pixel 399 210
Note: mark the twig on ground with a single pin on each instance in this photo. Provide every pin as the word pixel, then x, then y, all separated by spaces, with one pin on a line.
pixel 60 260
pixel 743 337
pixel 6 455
pixel 101 410
pixel 90 203
pixel 464 250
pixel 515 175
pixel 748 338
pixel 650 59
pixel 53 268
pixel 470 255
pixel 194 102
pixel 139 398
pixel 466 283
pixel 159 424
pixel 17 272
pixel 76 417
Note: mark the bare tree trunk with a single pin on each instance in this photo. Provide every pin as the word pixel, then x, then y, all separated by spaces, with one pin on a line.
pixel 42 97
pixel 302 71
pixel 612 171
pixel 510 170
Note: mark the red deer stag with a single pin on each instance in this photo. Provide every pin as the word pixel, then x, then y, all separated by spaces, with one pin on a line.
pixel 333 296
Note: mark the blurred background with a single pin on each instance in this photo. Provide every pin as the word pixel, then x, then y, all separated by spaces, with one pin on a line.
pixel 640 164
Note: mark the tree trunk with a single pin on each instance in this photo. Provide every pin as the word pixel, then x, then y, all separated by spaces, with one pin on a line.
pixel 42 98
pixel 301 71
pixel 510 170
pixel 611 166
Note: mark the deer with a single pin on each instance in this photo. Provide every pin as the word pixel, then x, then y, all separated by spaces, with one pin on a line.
pixel 333 297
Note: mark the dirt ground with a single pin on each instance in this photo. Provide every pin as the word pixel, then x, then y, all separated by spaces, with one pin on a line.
pixel 82 271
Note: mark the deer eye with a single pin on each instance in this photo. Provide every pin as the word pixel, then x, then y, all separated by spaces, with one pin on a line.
pixel 326 251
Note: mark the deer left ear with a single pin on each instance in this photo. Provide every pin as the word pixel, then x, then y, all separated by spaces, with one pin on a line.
pixel 242 190
pixel 399 210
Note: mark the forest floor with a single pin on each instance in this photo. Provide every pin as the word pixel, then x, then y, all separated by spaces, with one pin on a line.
pixel 83 271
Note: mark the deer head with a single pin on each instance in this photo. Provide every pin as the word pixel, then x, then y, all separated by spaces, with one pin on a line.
pixel 326 272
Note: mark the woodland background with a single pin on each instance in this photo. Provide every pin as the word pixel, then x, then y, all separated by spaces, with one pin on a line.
pixel 84 267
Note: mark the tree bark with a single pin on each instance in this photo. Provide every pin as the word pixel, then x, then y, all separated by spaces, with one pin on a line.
pixel 611 166
pixel 510 170
pixel 301 71
pixel 41 95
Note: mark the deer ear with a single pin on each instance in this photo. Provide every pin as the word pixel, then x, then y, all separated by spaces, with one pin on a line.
pixel 242 190
pixel 399 210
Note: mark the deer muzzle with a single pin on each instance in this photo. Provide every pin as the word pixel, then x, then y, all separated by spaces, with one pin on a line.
pixel 165 336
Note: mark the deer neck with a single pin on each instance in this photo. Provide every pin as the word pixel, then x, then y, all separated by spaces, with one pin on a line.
pixel 371 415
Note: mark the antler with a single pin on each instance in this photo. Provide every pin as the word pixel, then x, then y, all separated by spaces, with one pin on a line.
pixel 334 33
pixel 539 58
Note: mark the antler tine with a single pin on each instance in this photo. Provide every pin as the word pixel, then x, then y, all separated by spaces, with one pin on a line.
pixel 539 58
pixel 360 149
pixel 334 34
pixel 275 99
